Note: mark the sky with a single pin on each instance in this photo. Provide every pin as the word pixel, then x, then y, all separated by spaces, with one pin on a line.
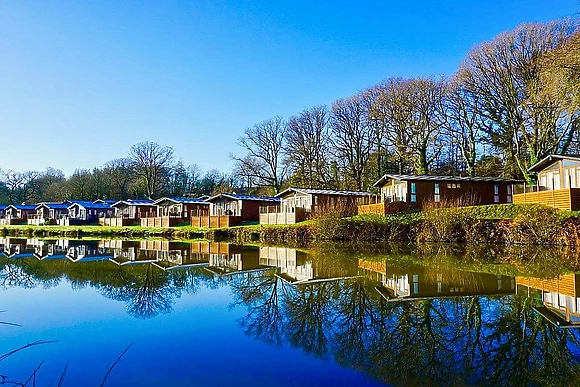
pixel 80 82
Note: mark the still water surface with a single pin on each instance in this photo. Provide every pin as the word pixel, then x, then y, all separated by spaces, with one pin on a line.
pixel 222 314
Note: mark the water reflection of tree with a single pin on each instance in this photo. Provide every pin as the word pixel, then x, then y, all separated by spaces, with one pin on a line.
pixel 148 295
pixel 24 273
pixel 308 310
pixel 452 341
pixel 524 347
pixel 261 292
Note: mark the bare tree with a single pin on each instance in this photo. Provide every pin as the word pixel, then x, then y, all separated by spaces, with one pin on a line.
pixel 79 185
pixel 409 112
pixel 120 175
pixel 152 163
pixel 21 186
pixel 352 138
pixel 505 74
pixel 391 110
pixel 463 122
pixel 262 164
pixel 306 147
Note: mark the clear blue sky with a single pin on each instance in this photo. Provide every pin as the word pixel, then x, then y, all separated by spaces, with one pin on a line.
pixel 83 81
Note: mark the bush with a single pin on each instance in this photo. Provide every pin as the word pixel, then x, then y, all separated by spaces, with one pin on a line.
pixel 539 226
pixel 444 221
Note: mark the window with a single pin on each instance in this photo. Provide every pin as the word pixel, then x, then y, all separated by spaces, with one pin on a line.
pixel 413 193
pixel 496 193
pixel 458 185
pixel 509 193
pixel 437 197
pixel 448 185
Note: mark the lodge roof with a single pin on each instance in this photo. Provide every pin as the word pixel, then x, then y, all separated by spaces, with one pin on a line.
pixel 134 202
pixel 105 201
pixel 53 206
pixel 549 160
pixel 89 205
pixel 245 197
pixel 180 200
pixel 22 206
pixel 387 177
pixel 321 191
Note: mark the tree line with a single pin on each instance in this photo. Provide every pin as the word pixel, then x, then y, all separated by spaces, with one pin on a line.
pixel 149 170
pixel 514 100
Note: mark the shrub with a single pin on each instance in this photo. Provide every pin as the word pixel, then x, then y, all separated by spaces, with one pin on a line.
pixel 444 221
pixel 540 226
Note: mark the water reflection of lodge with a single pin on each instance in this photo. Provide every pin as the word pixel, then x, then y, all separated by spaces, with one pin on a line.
pixel 228 259
pixel 298 267
pixel 560 297
pixel 48 249
pixel 88 251
pixel 16 247
pixel 414 281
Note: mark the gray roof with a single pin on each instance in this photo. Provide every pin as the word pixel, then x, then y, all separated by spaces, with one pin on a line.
pixel 321 191
pixel 549 160
pixel 135 202
pixel 245 197
pixel 460 179
pixel 181 200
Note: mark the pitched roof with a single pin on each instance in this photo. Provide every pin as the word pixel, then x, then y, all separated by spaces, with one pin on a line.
pixel 245 197
pixel 22 206
pixel 90 205
pixel 105 201
pixel 320 191
pixel 3 206
pixel 53 206
pixel 134 202
pixel 460 179
pixel 550 159
pixel 181 200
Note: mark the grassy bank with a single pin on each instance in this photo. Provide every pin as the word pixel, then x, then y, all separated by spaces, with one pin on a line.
pixel 504 224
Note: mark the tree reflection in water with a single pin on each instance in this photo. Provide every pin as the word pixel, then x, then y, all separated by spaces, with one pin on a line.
pixel 447 341
pixel 481 340
pixel 260 292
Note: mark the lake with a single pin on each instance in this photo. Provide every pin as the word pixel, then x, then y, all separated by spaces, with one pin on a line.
pixel 153 313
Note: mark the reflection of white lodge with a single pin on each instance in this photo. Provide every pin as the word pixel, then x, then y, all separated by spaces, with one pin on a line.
pixel 88 251
pixel 16 247
pixel 231 259
pixel 292 264
pixel 414 282
pixel 560 297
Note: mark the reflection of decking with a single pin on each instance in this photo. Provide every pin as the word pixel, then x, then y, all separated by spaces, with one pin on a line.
pixel 559 296
pixel 224 272
pixel 417 282
pixel 295 268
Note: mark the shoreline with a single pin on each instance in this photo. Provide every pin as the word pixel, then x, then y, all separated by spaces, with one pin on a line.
pixel 495 224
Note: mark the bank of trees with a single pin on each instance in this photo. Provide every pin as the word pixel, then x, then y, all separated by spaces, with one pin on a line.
pixel 148 171
pixel 514 100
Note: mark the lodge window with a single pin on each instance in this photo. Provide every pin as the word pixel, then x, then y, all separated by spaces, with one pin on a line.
pixel 496 193
pixel 437 194
pixel 413 193
pixel 509 193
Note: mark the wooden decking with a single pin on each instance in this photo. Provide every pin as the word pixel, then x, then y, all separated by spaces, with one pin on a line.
pixel 118 222
pixel 215 221
pixel 11 221
pixel 562 199
pixel 274 217
pixel 162 221
pixel 378 208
